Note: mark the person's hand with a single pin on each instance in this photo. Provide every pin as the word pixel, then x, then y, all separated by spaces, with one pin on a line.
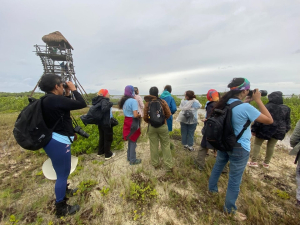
pixel 248 99
pixel 71 86
pixel 256 95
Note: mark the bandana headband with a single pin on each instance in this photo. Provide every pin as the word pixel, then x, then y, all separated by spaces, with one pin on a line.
pixel 212 95
pixel 129 91
pixel 243 86
pixel 103 92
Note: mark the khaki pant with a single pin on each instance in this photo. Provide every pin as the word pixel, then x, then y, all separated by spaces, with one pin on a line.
pixel 156 135
pixel 200 159
pixel 269 152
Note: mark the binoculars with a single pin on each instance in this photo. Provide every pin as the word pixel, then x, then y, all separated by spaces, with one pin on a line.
pixel 263 93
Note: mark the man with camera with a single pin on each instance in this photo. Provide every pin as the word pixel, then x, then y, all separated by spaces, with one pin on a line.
pixel 56 107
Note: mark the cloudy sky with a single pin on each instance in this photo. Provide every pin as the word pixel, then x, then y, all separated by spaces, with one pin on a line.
pixel 192 45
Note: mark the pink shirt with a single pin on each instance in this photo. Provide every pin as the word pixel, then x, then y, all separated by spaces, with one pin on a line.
pixel 140 104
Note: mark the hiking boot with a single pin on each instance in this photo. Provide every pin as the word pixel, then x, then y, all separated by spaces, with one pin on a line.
pixel 191 148
pixel 185 146
pixel 113 155
pixel 137 161
pixel 252 164
pixel 265 165
pixel 63 209
pixel 70 192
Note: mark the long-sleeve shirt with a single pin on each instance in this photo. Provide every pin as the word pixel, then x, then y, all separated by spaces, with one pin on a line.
pixel 140 105
pixel 55 106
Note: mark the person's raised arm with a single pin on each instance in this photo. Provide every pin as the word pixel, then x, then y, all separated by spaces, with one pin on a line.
pixel 265 116
pixel 71 104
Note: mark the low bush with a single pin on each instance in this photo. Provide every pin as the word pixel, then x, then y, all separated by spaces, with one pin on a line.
pixel 90 145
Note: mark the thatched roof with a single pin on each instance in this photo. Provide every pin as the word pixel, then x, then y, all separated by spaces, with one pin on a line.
pixel 55 39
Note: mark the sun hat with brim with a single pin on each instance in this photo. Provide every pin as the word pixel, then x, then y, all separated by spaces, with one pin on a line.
pixel 49 171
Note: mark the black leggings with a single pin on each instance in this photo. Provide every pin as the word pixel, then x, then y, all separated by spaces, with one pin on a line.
pixel 105 140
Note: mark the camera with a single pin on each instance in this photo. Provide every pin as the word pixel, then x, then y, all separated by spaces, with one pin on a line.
pixel 80 131
pixel 263 93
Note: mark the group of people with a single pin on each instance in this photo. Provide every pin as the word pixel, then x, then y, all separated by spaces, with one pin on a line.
pixel 271 122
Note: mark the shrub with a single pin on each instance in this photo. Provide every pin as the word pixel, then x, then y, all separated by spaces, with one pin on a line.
pixel 90 145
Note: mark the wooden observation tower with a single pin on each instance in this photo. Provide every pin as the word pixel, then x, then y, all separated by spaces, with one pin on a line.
pixel 56 57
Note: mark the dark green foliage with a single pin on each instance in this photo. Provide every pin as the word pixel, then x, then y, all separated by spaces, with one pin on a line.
pixel 90 145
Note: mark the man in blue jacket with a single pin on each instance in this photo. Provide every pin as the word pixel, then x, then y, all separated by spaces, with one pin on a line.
pixel 166 95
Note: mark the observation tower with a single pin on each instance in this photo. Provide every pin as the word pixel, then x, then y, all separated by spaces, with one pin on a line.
pixel 56 58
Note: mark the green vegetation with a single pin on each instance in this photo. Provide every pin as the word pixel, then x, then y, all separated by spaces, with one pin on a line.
pixel 90 145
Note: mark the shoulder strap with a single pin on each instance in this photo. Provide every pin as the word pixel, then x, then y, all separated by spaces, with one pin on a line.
pixel 231 106
pixel 243 130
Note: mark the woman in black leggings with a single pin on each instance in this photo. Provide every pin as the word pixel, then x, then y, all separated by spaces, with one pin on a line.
pixel 56 107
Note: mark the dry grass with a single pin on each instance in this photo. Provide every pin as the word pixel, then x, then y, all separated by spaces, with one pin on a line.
pixel 266 197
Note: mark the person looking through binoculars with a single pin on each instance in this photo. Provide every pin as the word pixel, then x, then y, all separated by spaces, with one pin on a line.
pixel 56 108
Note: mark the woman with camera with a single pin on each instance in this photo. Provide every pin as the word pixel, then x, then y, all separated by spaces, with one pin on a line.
pixel 56 108
pixel 239 155
pixel 104 125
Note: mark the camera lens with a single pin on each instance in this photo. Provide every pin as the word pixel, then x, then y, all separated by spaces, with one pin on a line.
pixel 81 132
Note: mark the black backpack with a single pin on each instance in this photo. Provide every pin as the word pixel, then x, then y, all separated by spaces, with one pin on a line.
pixel 156 113
pixel 218 128
pixel 31 131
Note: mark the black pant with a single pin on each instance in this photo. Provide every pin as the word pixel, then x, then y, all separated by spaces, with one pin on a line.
pixel 105 140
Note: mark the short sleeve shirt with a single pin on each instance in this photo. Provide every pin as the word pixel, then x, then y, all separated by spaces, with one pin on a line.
pixel 240 115
pixel 129 106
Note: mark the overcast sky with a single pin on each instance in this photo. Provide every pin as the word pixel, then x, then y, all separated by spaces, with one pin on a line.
pixel 192 45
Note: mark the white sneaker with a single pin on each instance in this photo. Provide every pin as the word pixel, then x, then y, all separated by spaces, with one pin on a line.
pixel 191 148
pixel 185 146
pixel 113 155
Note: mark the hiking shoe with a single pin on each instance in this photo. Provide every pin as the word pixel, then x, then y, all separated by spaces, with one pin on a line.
pixel 185 146
pixel 191 149
pixel 137 161
pixel 101 154
pixel 265 165
pixel 252 164
pixel 113 155
pixel 63 209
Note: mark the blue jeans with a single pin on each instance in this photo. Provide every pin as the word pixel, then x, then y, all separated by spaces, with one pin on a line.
pixel 60 155
pixel 238 159
pixel 187 133
pixel 131 155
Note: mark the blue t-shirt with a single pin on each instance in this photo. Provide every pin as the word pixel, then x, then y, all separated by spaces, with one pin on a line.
pixel 240 115
pixel 62 138
pixel 129 106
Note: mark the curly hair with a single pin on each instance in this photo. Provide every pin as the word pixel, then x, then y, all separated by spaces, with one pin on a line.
pixel 48 82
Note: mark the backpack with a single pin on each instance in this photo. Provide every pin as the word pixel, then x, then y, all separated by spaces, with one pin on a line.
pixel 156 113
pixel 31 131
pixel 94 115
pixel 218 128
